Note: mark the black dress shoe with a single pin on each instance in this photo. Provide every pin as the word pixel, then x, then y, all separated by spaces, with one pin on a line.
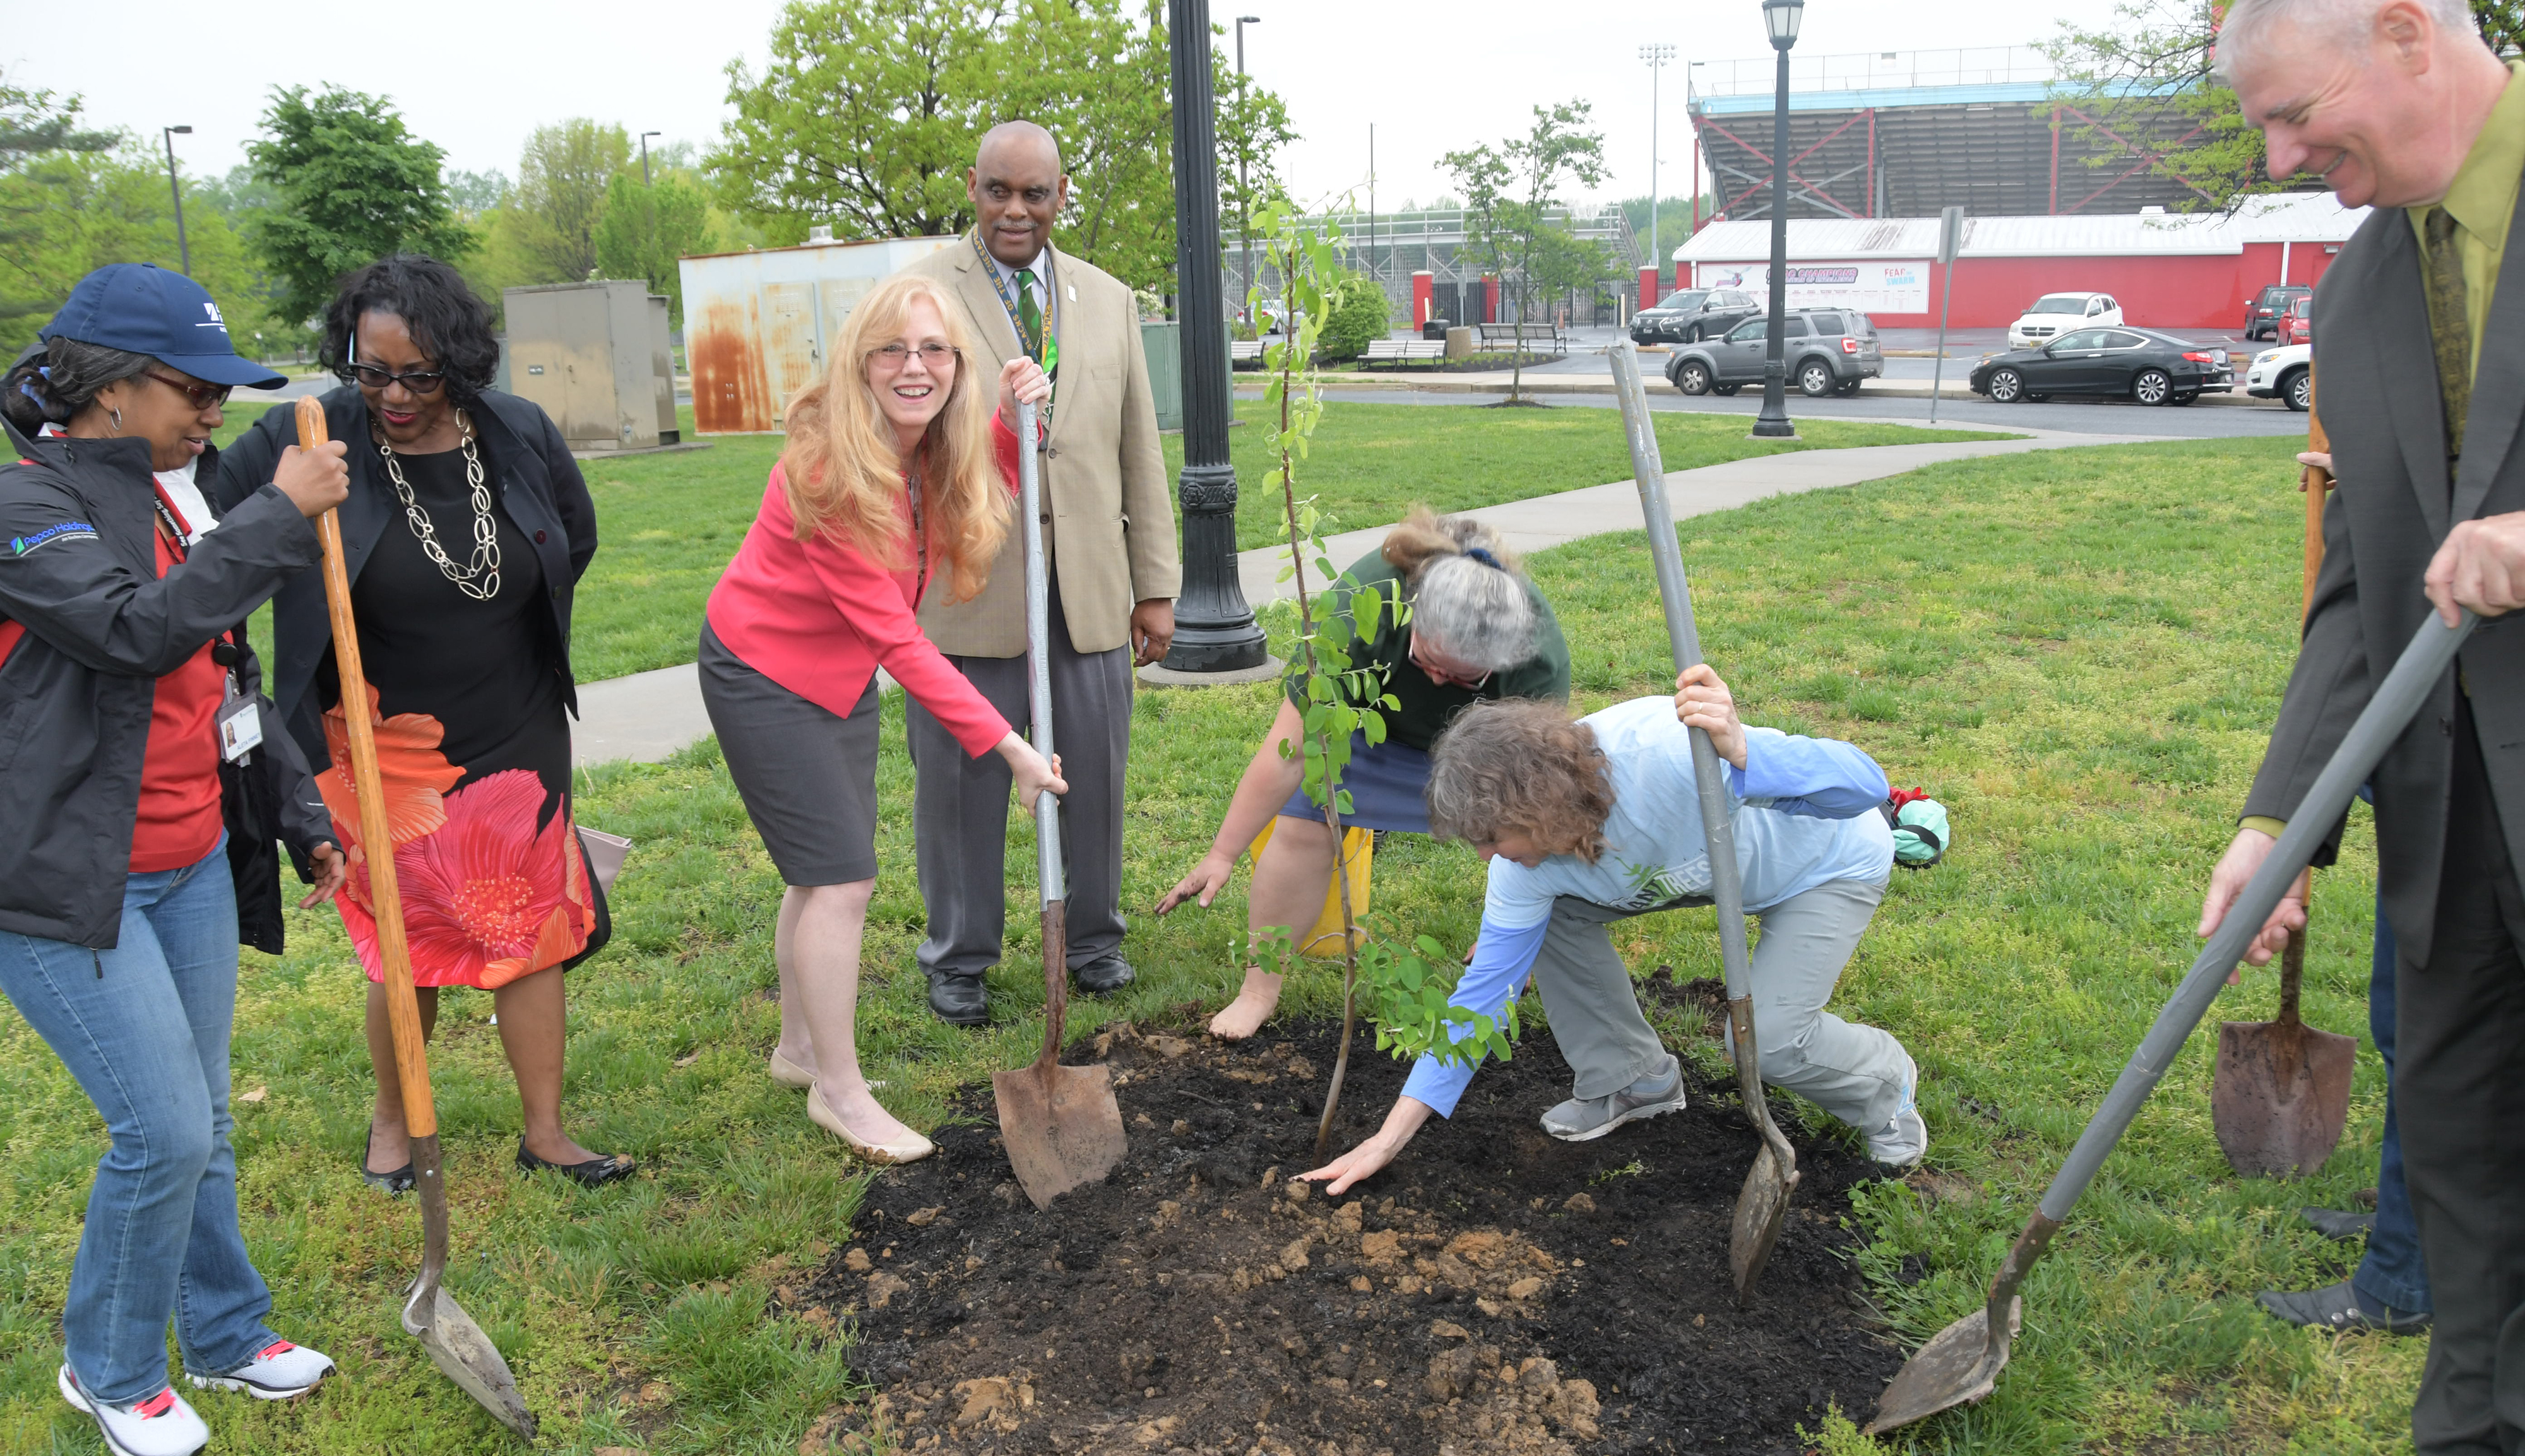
pixel 959 999
pixel 595 1173
pixel 2337 1307
pixel 397 1182
pixel 1106 972
pixel 2334 1224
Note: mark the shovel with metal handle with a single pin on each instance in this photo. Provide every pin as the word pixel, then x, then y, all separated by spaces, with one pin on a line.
pixel 1963 1362
pixel 1060 1125
pixel 2279 1099
pixel 456 1345
pixel 1762 1205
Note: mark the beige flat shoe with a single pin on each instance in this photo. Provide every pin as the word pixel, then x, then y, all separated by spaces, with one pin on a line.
pixel 788 1073
pixel 911 1149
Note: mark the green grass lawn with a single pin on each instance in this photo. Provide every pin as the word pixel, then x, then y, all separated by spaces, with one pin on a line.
pixel 2078 652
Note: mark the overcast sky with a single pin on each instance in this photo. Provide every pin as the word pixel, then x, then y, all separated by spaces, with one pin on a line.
pixel 475 76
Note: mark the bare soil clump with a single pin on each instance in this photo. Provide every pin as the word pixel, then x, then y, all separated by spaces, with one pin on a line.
pixel 1496 1291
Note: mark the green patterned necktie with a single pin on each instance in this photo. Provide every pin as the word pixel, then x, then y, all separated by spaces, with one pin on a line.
pixel 2448 327
pixel 1031 314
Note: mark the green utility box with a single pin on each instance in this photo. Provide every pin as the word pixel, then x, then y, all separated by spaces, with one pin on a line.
pixel 1164 345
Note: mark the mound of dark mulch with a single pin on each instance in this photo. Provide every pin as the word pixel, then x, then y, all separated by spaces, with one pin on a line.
pixel 1495 1291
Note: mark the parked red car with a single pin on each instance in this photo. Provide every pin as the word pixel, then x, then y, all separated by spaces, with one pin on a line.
pixel 2296 325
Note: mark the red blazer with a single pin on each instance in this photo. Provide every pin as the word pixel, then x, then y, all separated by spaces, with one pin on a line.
pixel 819 618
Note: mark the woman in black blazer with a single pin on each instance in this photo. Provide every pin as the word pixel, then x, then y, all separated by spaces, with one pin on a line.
pixel 467 527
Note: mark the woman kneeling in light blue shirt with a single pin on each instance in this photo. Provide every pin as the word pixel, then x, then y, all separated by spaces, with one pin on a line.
pixel 1588 821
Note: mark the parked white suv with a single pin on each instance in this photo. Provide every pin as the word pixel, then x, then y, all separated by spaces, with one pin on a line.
pixel 2056 314
pixel 2285 373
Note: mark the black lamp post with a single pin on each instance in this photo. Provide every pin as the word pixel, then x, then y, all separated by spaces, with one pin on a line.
pixel 184 250
pixel 1215 628
pixel 1780 18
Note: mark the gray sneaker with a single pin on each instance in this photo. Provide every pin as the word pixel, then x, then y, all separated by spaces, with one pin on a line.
pixel 1585 1119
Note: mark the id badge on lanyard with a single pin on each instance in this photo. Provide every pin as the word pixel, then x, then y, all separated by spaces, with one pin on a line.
pixel 240 719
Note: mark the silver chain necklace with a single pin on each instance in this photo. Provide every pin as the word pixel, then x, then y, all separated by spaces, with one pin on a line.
pixel 480 576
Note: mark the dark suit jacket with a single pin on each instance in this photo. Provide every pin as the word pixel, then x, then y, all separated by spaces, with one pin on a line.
pixel 538 485
pixel 2381 406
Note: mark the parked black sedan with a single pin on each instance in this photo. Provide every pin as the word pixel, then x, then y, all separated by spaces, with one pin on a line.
pixel 2133 364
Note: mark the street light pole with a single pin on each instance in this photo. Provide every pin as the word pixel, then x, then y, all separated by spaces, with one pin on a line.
pixel 1656 56
pixel 1214 630
pixel 644 155
pixel 1780 18
pixel 183 250
pixel 1244 199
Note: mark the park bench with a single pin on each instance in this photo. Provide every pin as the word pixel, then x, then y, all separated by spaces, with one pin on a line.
pixel 1521 335
pixel 1245 353
pixel 1403 351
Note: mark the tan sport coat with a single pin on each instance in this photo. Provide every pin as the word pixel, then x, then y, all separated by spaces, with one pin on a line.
pixel 1111 531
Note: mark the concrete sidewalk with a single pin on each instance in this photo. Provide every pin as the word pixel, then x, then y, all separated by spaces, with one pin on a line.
pixel 1497 381
pixel 649 715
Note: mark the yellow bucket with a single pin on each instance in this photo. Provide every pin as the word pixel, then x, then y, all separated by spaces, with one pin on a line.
pixel 1358 850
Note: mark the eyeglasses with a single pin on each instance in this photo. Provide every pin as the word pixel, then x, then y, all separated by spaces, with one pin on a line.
pixel 1452 674
pixel 418 381
pixel 935 354
pixel 203 396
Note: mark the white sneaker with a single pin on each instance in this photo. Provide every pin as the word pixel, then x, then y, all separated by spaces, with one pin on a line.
pixel 1904 1140
pixel 161 1426
pixel 279 1371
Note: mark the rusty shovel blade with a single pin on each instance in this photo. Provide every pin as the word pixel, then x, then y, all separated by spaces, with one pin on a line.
pixel 1959 1365
pixel 465 1355
pixel 1761 1209
pixel 1061 1126
pixel 2279 1096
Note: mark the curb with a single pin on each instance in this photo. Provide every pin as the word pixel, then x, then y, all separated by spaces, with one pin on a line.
pixel 1561 384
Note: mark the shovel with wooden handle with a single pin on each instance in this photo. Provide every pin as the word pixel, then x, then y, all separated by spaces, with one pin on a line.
pixel 1961 1362
pixel 1762 1205
pixel 456 1345
pixel 1060 1125
pixel 2279 1099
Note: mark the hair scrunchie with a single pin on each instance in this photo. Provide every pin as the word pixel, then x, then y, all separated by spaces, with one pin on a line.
pixel 1483 555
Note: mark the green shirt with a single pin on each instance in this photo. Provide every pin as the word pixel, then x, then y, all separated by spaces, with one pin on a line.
pixel 1427 706
pixel 2483 198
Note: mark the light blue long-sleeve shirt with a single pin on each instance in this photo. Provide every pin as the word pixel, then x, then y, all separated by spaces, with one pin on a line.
pixel 1802 810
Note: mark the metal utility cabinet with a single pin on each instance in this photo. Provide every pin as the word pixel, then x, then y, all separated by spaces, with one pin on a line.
pixel 759 324
pixel 596 356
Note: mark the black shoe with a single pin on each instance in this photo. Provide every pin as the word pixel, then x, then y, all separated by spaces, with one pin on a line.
pixel 397 1182
pixel 1106 972
pixel 595 1173
pixel 959 999
pixel 2337 1307
pixel 2332 1224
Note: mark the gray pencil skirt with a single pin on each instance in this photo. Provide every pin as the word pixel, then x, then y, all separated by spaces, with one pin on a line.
pixel 808 774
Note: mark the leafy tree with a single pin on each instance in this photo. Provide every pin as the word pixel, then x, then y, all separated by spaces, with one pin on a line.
pixel 1357 313
pixel 645 229
pixel 1507 191
pixel 474 194
pixel 353 185
pixel 237 196
pixel 867 114
pixel 2150 67
pixel 562 182
pixel 67 211
pixel 35 126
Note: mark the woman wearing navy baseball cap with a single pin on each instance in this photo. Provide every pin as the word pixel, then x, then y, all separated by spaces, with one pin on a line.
pixel 127 692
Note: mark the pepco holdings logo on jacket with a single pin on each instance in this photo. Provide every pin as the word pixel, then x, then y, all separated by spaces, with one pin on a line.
pixel 69 530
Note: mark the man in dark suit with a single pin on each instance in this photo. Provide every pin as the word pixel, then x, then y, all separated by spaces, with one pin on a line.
pixel 2421 362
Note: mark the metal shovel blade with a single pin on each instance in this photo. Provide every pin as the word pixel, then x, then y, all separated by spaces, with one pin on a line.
pixel 1761 1209
pixel 1959 1366
pixel 1061 1126
pixel 465 1355
pixel 2280 1096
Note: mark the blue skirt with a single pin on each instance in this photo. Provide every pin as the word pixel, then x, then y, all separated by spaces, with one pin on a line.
pixel 1385 783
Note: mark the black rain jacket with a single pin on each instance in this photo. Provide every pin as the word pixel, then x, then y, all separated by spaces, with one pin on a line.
pixel 78 570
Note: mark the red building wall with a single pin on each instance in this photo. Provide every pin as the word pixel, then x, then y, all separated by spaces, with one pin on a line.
pixel 2176 292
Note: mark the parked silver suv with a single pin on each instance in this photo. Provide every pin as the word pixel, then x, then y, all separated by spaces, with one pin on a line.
pixel 1829 351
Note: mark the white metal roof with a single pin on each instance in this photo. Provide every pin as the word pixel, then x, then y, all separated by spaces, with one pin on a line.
pixel 2302 217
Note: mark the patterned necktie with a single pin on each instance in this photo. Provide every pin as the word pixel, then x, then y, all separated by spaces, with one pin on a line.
pixel 2448 327
pixel 1030 313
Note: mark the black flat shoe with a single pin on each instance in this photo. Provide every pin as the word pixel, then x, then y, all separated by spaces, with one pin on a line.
pixel 397 1182
pixel 595 1173
pixel 2336 1307
pixel 2334 1224
pixel 959 1001
pixel 1106 972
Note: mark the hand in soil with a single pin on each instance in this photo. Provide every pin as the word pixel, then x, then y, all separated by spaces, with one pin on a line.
pixel 1372 1156
pixel 1253 1006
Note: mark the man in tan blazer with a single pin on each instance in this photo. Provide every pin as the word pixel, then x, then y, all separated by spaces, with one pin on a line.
pixel 1110 543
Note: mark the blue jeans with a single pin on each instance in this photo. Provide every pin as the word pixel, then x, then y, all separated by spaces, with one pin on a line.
pixel 2392 1274
pixel 144 1029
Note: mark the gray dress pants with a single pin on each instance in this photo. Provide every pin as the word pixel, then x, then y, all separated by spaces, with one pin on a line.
pixel 2459 1096
pixel 1854 1072
pixel 961 805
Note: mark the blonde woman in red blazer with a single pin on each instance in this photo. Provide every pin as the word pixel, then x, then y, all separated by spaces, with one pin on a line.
pixel 896 472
